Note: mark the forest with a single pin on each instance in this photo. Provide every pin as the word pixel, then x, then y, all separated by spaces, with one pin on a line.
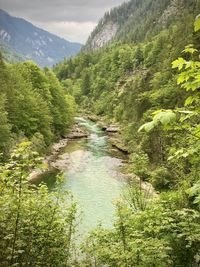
pixel 34 106
pixel 147 79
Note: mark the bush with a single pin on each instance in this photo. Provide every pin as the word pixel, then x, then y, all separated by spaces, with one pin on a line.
pixel 140 163
pixel 36 225
pixel 161 178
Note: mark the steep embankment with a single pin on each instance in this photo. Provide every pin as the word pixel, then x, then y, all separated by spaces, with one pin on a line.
pixel 136 21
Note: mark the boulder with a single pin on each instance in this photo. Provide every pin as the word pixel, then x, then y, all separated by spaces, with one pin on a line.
pixel 113 129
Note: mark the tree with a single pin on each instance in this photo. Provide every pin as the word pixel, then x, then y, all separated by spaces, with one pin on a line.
pixel 4 127
pixel 85 85
pixel 59 107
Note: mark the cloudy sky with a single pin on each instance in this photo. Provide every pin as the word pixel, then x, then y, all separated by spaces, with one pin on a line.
pixel 72 19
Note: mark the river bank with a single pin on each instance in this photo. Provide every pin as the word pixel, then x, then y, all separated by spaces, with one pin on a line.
pixel 115 138
pixel 112 130
pixel 53 162
pixel 94 170
pixel 58 160
pixel 49 161
pixel 91 170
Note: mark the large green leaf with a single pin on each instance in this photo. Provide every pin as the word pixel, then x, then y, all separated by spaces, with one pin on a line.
pixel 178 63
pixel 165 117
pixel 197 24
pixel 147 127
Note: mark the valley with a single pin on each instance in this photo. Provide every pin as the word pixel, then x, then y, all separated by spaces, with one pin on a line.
pixel 100 151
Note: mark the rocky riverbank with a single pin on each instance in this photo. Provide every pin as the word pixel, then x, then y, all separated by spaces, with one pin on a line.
pixel 53 161
pixel 113 132
pixel 58 160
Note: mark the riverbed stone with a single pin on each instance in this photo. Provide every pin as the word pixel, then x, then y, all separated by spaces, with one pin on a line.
pixel 113 128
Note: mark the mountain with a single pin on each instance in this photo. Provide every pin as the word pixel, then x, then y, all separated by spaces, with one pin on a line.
pixel 33 43
pixel 10 55
pixel 136 21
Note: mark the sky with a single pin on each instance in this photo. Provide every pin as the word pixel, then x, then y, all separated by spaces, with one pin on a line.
pixel 73 20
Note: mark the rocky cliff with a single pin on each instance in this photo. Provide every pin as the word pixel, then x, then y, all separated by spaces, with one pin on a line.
pixel 136 21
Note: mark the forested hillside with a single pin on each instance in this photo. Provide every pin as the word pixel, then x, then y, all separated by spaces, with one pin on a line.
pixel 10 55
pixel 34 106
pixel 126 83
pixel 138 21
pixel 134 81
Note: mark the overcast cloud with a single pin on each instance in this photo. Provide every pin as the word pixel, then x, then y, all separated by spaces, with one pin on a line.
pixel 72 19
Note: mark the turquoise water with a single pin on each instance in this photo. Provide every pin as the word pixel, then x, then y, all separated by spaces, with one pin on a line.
pixel 93 175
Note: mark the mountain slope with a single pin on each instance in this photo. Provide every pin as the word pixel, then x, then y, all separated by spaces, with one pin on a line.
pixel 136 21
pixel 10 55
pixel 31 42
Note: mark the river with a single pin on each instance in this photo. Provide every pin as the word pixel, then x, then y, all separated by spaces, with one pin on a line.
pixel 92 174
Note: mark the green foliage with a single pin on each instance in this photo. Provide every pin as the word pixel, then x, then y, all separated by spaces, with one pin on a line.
pixel 4 126
pixel 133 26
pixel 10 55
pixel 36 225
pixel 32 102
pixel 127 82
pixel 163 231
pixel 159 236
pixel 160 117
pixel 197 24
pixel 189 78
pixel 195 192
pixel 161 178
pixel 140 164
pixel 61 106
pixel 38 143
pixel 136 198
pixel 183 152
